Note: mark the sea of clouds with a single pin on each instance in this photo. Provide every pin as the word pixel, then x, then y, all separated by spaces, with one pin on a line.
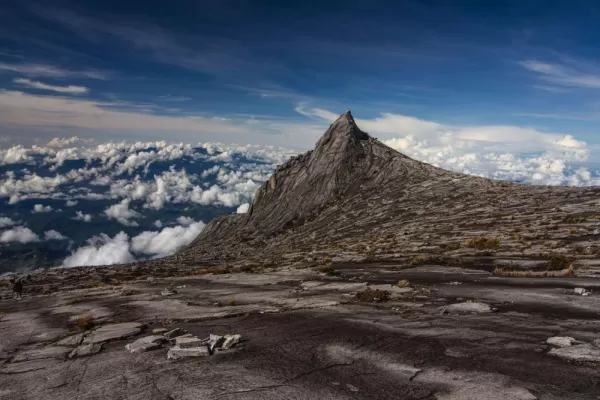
pixel 150 199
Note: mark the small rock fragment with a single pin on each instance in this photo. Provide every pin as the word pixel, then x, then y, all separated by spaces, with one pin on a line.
pixel 147 343
pixel 86 350
pixel 560 341
pixel 580 291
pixel 175 333
pixel 176 353
pixel 230 341
pixel 215 341
pixel 168 292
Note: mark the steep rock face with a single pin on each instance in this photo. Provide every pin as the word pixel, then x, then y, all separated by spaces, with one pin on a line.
pixel 353 189
pixel 345 162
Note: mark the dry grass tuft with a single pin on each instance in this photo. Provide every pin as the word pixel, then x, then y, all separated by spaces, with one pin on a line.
pixel 403 283
pixel 483 243
pixel 86 321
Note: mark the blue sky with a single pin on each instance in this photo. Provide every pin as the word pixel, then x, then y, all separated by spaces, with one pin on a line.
pixel 277 72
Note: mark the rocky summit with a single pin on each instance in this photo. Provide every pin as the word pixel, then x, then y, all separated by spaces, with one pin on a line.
pixel 358 273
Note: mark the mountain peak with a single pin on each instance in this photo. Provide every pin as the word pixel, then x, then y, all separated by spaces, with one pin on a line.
pixel 345 163
pixel 340 132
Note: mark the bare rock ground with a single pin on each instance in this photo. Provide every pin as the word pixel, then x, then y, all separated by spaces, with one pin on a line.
pixel 307 336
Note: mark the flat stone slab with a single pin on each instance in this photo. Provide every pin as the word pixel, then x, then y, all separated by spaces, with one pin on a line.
pixel 187 342
pixel 113 332
pixel 177 353
pixel 42 353
pixel 581 352
pixel 147 343
pixel 467 308
pixel 86 350
pixel 560 341
pixel 160 330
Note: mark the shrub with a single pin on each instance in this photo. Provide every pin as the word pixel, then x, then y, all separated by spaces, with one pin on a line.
pixel 370 295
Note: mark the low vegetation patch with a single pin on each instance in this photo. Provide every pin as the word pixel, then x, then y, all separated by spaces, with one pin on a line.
pixel 370 295
pixel 558 262
pixel 483 243
pixel 570 271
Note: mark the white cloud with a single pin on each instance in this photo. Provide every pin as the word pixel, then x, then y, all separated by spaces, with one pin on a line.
pixel 185 221
pixel 71 203
pixel 158 223
pixel 54 235
pixel 14 155
pixel 71 89
pixel 167 241
pixel 5 221
pixel 122 213
pixel 39 208
pixel 50 71
pixel 243 209
pixel 80 216
pixel 102 250
pixel 563 75
pixel 19 234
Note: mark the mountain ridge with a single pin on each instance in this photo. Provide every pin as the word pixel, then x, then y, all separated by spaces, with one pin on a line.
pixel 353 187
